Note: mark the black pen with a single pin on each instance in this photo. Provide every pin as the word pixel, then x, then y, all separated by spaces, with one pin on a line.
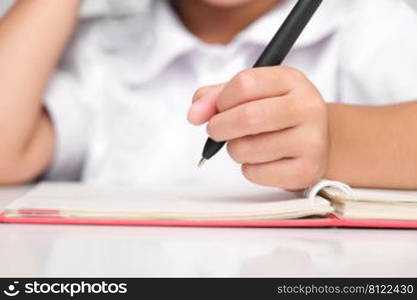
pixel 275 53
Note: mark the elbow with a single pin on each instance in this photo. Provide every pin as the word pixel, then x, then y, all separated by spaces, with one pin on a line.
pixel 15 172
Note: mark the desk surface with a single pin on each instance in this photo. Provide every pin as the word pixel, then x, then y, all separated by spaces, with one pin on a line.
pixel 105 251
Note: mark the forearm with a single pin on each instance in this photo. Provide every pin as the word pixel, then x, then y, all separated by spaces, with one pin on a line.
pixel 32 37
pixel 374 146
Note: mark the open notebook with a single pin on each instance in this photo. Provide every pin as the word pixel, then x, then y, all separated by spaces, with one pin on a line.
pixel 327 205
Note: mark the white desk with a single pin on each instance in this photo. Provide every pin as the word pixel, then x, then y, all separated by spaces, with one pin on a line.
pixel 104 251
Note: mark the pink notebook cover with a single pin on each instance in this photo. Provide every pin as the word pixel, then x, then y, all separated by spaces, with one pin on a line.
pixel 327 222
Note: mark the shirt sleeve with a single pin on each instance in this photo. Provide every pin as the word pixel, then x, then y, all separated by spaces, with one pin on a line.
pixel 67 103
pixel 378 60
pixel 69 115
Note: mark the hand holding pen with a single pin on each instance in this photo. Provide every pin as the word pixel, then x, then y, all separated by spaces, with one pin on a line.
pixel 273 118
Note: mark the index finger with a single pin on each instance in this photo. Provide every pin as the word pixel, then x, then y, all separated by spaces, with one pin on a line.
pixel 256 84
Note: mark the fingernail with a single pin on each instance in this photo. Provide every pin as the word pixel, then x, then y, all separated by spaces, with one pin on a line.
pixel 204 91
pixel 191 114
pixel 198 95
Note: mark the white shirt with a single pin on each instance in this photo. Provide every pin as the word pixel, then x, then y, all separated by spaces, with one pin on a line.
pixel 120 97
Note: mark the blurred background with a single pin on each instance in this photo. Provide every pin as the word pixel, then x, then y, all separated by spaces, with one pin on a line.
pixel 413 3
pixel 94 8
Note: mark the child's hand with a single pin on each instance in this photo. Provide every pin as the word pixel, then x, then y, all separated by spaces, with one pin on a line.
pixel 275 122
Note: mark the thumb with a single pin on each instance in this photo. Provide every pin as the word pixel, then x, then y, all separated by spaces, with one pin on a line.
pixel 204 104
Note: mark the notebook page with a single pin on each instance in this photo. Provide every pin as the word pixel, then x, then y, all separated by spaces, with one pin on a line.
pixel 374 195
pixel 374 204
pixel 176 202
pixel 375 210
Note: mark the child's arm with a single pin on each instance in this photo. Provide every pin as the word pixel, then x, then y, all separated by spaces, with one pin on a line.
pixel 32 37
pixel 284 135
pixel 374 146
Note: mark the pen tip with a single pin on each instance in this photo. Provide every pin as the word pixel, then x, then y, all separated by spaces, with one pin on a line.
pixel 201 162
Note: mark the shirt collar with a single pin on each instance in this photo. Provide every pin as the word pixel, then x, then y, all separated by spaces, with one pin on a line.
pixel 169 39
